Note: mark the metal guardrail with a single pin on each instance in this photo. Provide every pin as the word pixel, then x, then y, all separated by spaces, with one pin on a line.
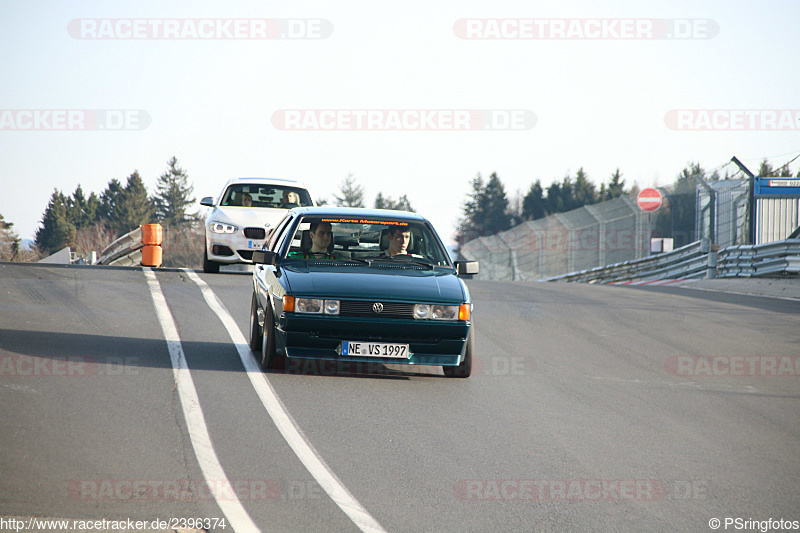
pixel 120 249
pixel 141 246
pixel 698 261
pixel 688 262
pixel 759 260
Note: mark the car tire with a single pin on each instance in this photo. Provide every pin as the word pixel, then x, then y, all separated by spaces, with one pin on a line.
pixel 465 368
pixel 209 266
pixel 269 356
pixel 256 333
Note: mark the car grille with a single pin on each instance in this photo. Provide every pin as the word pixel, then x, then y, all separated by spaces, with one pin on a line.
pixel 246 254
pixel 255 233
pixel 364 308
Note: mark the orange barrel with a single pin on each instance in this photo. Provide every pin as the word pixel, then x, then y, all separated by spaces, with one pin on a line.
pixel 152 234
pixel 152 256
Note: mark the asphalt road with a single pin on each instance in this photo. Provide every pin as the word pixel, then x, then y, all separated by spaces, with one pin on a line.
pixel 591 408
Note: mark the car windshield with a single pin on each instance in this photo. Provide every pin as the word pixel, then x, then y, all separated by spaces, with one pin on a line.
pixel 380 241
pixel 257 195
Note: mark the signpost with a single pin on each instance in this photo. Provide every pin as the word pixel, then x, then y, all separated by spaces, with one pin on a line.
pixel 649 200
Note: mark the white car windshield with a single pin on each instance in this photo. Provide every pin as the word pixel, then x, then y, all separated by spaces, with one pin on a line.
pixel 256 195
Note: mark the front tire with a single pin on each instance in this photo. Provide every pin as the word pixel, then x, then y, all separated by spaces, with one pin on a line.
pixel 269 356
pixel 256 332
pixel 465 368
pixel 209 266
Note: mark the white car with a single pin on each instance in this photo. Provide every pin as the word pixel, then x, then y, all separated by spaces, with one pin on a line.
pixel 239 219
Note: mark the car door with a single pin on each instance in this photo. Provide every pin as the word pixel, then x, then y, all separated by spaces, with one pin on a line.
pixel 268 283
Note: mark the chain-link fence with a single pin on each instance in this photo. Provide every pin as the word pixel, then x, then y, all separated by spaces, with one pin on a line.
pixel 723 213
pixel 584 238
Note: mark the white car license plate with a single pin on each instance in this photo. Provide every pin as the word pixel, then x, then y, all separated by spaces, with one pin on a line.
pixel 255 245
pixel 375 349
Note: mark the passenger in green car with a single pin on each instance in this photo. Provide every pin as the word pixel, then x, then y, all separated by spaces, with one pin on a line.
pixel 399 238
pixel 321 238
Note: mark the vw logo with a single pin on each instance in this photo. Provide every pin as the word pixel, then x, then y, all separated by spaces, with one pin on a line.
pixel 377 307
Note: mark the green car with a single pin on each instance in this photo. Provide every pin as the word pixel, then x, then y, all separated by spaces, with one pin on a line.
pixel 361 286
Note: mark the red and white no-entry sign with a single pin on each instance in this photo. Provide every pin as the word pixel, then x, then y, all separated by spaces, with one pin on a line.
pixel 649 200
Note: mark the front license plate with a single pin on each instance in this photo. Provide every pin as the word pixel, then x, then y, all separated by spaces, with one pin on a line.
pixel 255 245
pixel 375 349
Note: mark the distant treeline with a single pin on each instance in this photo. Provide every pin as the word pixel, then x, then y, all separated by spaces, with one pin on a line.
pixel 488 210
pixel 67 220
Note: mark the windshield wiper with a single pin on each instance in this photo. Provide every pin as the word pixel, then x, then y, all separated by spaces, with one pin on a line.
pixel 405 260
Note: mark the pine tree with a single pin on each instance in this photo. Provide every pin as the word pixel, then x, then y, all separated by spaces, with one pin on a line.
pixel 403 204
pixel 83 212
pixel 109 199
pixel 533 204
pixel 492 215
pixel 381 202
pixel 555 199
pixel 765 169
pixel 133 207
pixel 387 202
pixel 173 196
pixel 352 195
pixel 57 231
pixel 584 190
pixel 467 230
pixel 567 194
pixel 616 186
pixel 9 241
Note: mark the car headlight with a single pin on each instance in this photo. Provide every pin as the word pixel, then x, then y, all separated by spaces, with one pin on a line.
pixel 316 306
pixel 221 227
pixel 438 312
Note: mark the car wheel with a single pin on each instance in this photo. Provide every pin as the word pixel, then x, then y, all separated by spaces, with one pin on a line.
pixel 465 368
pixel 269 357
pixel 209 266
pixel 256 334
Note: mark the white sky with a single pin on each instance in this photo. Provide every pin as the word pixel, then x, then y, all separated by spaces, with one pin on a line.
pixel 600 104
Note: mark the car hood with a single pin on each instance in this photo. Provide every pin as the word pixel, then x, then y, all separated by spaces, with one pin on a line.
pixel 357 282
pixel 247 216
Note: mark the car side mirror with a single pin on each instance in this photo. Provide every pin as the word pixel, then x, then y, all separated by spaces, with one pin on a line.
pixel 265 257
pixel 466 268
pixel 208 201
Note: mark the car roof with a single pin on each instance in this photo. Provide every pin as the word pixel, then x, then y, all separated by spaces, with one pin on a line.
pixel 266 181
pixel 359 212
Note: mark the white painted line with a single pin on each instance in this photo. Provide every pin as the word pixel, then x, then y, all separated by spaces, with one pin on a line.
pixel 787 298
pixel 212 470
pixel 284 421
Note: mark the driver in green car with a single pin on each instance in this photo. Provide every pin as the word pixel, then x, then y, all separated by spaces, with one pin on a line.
pixel 321 239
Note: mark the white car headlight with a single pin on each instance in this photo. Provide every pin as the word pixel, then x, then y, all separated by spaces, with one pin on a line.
pixel 444 312
pixel 436 312
pixel 316 306
pixel 422 311
pixel 221 227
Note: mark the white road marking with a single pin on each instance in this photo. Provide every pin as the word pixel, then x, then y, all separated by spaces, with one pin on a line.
pixel 284 421
pixel 213 473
